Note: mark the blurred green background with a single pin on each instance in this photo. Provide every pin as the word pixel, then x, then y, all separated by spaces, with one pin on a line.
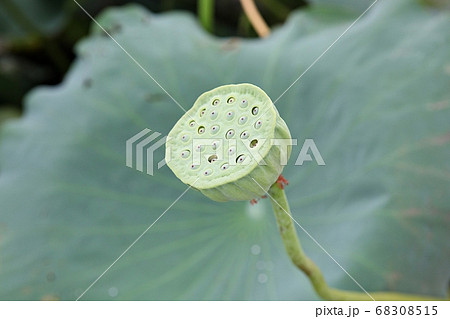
pixel 37 37
pixel 377 106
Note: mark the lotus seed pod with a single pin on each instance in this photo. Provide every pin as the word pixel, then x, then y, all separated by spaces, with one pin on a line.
pixel 231 140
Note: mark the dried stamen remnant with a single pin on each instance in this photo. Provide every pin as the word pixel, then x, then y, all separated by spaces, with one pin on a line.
pixel 282 182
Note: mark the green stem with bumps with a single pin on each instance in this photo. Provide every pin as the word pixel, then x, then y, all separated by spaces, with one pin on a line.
pixel 309 268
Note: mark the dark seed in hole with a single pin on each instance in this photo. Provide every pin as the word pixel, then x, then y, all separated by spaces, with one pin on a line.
pixel 253 143
pixel 212 158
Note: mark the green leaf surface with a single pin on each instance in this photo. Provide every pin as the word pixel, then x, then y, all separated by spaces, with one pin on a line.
pixel 376 104
pixel 354 6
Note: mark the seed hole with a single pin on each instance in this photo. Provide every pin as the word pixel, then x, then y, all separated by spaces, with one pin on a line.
pixel 207 172
pixel 224 167
pixel 230 115
pixel 215 144
pixel 242 120
pixel 202 112
pixel 243 103
pixel 215 102
pixel 244 135
pixel 253 143
pixel 193 166
pixel 231 150
pixel 185 153
pixel 215 129
pixel 240 158
pixel 201 130
pixel 255 110
pixel 231 100
pixel 258 124
pixel 212 158
pixel 229 134
pixel 185 138
pixel 192 123
pixel 214 114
